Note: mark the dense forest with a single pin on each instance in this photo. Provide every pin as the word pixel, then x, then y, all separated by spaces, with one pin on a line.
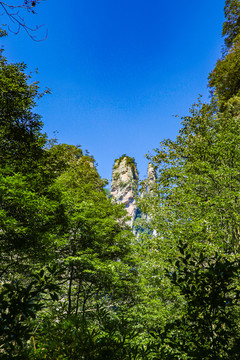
pixel 76 283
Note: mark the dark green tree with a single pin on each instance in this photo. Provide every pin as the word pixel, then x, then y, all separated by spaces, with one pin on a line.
pixel 224 80
pixel 231 25
pixel 98 275
pixel 208 327
pixel 28 215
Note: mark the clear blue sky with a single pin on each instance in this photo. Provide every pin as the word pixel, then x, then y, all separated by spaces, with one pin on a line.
pixel 120 70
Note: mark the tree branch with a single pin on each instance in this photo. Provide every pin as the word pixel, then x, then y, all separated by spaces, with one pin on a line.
pixel 13 13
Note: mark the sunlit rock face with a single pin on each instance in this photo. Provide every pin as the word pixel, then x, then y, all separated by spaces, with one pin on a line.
pixel 124 188
pixel 124 184
pixel 152 176
pixel 151 180
pixel 148 184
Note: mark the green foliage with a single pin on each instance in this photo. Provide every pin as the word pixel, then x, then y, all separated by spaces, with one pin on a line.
pixel 54 210
pixel 209 327
pixel 28 216
pixel 3 33
pixel 75 282
pixel 20 132
pixel 130 161
pixel 231 26
pixel 108 193
pixel 225 78
pixel 93 241
pixel 19 303
pixel 62 155
pixel 109 338
pixel 196 174
pixel 116 176
pixel 196 201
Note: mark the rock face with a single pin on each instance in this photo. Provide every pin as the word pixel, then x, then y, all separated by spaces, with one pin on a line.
pixel 152 176
pixel 124 187
pixel 125 184
pixel 148 184
pixel 151 180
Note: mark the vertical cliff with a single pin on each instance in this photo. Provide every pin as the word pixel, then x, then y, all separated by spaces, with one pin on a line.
pixel 151 179
pixel 125 184
pixel 147 185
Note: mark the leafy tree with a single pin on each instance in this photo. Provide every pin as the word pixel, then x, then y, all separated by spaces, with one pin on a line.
pixel 26 210
pixel 208 328
pixel 198 173
pixel 21 138
pixel 196 201
pixel 54 211
pixel 224 79
pixel 97 271
pixel 231 26
pixel 28 214
pixel 19 303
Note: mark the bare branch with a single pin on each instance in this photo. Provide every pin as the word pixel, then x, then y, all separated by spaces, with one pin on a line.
pixel 14 14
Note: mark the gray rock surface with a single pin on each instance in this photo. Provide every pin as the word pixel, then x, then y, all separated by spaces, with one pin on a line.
pixel 124 184
pixel 152 176
pixel 124 187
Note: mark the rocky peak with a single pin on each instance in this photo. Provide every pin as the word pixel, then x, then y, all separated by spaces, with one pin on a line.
pixel 125 184
pixel 152 176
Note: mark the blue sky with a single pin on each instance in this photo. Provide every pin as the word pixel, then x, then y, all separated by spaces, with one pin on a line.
pixel 120 70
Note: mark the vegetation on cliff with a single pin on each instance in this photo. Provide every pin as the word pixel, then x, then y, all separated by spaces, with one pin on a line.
pixel 129 162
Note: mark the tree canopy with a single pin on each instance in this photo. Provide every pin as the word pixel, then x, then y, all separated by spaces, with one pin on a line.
pixel 231 25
